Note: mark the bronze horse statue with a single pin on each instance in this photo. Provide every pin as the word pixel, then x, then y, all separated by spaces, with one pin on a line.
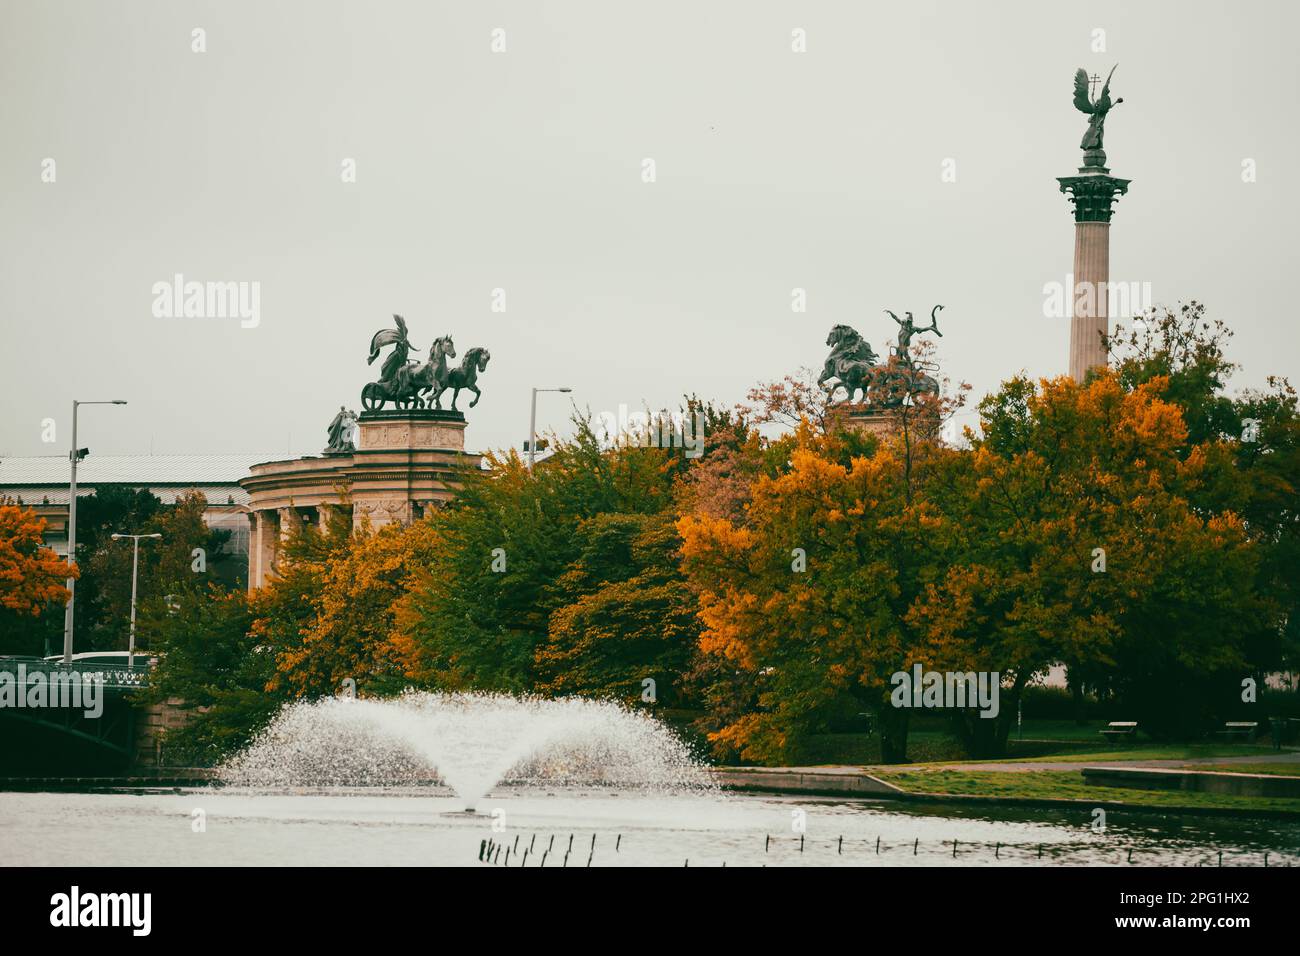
pixel 465 377
pixel 852 363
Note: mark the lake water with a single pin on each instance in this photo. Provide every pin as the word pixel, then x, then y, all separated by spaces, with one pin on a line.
pixel 418 826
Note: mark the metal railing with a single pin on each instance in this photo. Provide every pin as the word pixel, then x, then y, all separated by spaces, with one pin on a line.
pixel 114 676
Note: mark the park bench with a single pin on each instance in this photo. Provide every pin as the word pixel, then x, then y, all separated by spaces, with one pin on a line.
pixel 1240 728
pixel 1283 730
pixel 1118 729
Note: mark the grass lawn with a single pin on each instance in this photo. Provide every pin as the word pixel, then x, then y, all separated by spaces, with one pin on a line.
pixel 1063 785
pixel 1042 740
pixel 1089 731
pixel 1107 752
pixel 1110 756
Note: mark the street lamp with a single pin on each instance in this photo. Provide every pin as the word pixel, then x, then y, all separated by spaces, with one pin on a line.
pixel 135 565
pixel 76 456
pixel 532 423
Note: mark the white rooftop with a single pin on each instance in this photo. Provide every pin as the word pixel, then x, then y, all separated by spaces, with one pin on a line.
pixel 44 478
pixel 128 469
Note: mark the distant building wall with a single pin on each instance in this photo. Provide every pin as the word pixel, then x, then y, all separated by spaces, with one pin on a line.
pixel 41 483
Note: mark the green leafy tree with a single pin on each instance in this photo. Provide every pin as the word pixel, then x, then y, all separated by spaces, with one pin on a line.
pixel 211 664
pixel 623 616
pixel 526 560
pixel 109 509
pixel 166 566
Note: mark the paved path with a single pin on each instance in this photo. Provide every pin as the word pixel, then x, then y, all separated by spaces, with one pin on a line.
pixel 1271 756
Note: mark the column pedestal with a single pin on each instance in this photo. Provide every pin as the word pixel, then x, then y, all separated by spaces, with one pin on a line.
pixel 395 461
pixel 862 417
pixel 405 462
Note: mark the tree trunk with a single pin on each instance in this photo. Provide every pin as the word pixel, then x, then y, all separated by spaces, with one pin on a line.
pixel 893 734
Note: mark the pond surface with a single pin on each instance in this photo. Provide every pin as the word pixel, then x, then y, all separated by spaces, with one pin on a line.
pixel 419 826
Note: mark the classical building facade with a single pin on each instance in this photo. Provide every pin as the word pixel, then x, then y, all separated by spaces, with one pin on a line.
pixel 404 462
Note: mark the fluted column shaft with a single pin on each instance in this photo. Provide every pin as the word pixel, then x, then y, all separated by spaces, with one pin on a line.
pixel 1090 313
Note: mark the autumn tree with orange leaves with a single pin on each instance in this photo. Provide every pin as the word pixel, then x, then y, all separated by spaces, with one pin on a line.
pixel 1076 530
pixel 327 614
pixel 810 591
pixel 32 577
pixel 1079 541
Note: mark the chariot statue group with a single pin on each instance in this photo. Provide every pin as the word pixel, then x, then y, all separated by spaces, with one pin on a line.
pixel 409 383
pixel 854 367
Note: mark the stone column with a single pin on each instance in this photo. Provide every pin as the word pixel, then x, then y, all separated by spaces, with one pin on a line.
pixel 1092 192
pixel 1090 315
pixel 254 552
pixel 286 518
pixel 262 549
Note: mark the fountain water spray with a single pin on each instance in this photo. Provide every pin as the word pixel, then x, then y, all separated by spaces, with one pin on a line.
pixel 469 742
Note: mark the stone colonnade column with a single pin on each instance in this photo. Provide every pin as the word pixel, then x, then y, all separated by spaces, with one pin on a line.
pixel 263 547
pixel 270 529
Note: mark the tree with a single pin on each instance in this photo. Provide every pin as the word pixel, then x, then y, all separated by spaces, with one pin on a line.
pixel 790 402
pixel 520 572
pixel 31 579
pixel 350 630
pixel 855 507
pixel 1078 543
pixel 286 607
pixel 1250 445
pixel 1185 349
pixel 623 615
pixel 167 567
pixel 210 660
pixel 837 624
pixel 477 614
pixel 111 508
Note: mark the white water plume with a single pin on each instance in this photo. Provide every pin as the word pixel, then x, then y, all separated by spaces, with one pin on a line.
pixel 469 742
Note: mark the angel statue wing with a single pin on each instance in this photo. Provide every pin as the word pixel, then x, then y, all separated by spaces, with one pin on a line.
pixel 1081 101
pixel 387 337
pixel 1103 103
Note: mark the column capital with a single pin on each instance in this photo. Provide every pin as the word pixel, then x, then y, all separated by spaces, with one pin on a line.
pixel 1092 194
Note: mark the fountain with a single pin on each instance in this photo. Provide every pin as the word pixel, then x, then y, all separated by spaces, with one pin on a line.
pixel 467 742
pixel 572 783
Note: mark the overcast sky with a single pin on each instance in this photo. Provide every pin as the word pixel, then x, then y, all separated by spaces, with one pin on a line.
pixel 522 171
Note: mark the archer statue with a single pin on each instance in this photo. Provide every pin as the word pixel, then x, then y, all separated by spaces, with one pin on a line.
pixel 1093 154
pixel 907 328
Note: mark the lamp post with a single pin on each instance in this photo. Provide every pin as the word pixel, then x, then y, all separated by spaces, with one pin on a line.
pixel 532 423
pixel 75 456
pixel 135 566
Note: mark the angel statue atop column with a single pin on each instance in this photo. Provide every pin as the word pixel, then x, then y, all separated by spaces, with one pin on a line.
pixel 1097 109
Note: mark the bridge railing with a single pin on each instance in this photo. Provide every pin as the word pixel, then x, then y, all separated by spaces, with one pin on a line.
pixel 118 676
